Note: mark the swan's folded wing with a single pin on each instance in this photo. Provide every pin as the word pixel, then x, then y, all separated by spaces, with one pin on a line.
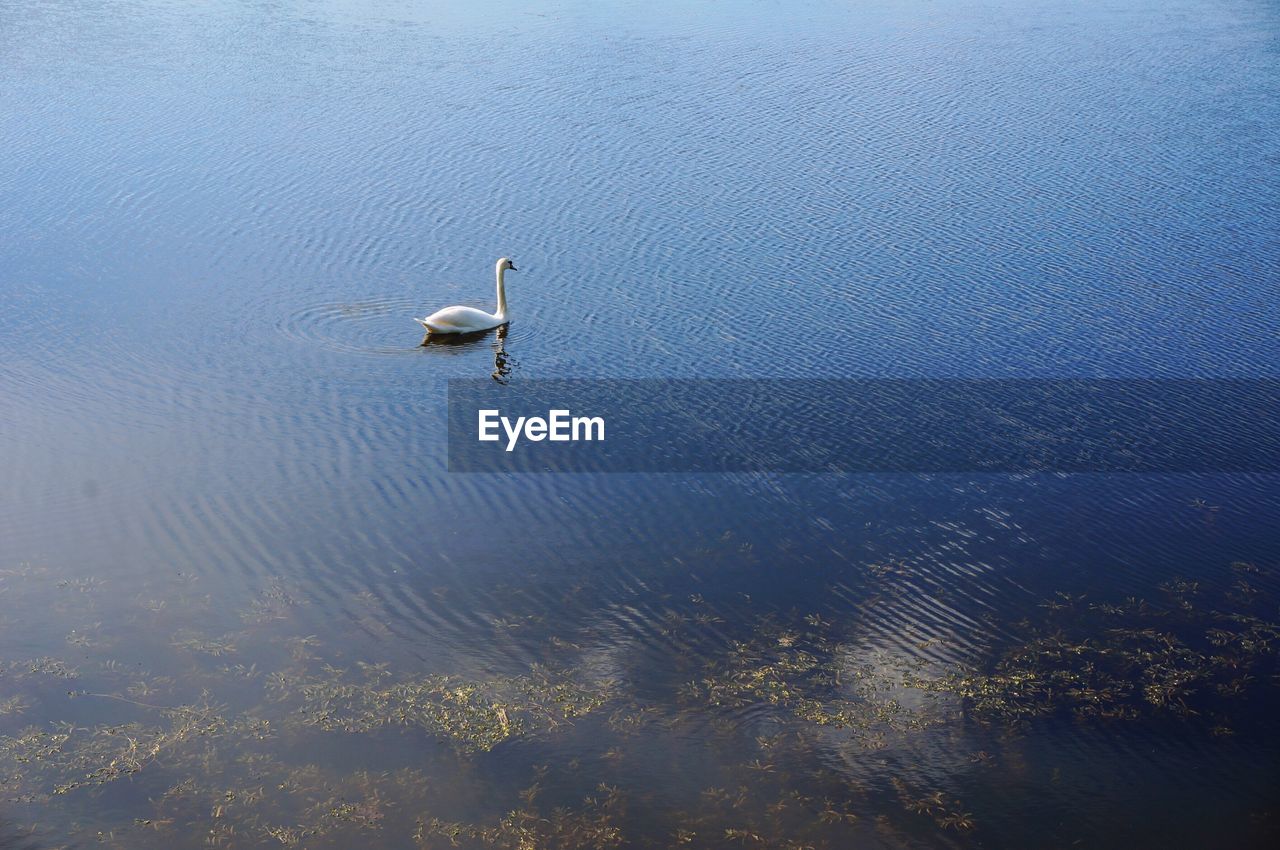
pixel 458 320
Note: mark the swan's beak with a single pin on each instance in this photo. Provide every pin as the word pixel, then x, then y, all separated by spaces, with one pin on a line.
pixel 513 267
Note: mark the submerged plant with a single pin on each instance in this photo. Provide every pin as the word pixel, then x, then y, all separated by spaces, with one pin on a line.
pixel 477 715
pixel 592 825
pixel 805 738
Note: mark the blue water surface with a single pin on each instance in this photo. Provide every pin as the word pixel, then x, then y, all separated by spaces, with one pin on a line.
pixel 223 447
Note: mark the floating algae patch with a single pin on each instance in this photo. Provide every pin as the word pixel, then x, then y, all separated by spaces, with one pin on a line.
pixel 945 812
pixel 809 675
pixel 276 804
pixel 779 729
pixel 1180 654
pixel 43 666
pixel 66 757
pixel 277 601
pixel 231 783
pixel 477 715
pixel 225 645
pixel 594 824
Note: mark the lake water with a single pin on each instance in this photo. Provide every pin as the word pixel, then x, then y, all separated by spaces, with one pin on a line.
pixel 244 604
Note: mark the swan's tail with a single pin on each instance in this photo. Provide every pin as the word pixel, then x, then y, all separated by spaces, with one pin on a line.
pixel 424 324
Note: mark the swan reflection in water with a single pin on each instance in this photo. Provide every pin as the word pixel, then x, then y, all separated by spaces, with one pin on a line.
pixel 503 363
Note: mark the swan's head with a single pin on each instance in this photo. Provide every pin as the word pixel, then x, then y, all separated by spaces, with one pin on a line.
pixel 505 263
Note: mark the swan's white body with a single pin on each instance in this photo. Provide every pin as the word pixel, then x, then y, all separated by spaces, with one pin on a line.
pixel 465 320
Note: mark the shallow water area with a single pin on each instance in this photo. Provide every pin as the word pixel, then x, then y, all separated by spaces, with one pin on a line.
pixel 244 604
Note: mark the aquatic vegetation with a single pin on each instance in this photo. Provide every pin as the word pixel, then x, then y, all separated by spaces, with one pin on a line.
pixel 43 666
pixel 275 602
pixel 476 715
pixel 1121 661
pixel 210 646
pixel 813 683
pixel 221 747
pixel 73 757
pixel 591 826
pixel 946 813
pixel 81 585
pixel 14 706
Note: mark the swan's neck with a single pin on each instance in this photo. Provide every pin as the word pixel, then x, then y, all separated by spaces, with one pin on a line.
pixel 502 296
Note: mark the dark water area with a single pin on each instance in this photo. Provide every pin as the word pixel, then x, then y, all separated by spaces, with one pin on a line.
pixel 243 603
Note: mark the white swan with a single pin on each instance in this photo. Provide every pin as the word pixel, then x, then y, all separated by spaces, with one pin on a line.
pixel 465 320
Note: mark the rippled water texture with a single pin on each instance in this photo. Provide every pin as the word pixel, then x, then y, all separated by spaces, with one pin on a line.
pixel 243 604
